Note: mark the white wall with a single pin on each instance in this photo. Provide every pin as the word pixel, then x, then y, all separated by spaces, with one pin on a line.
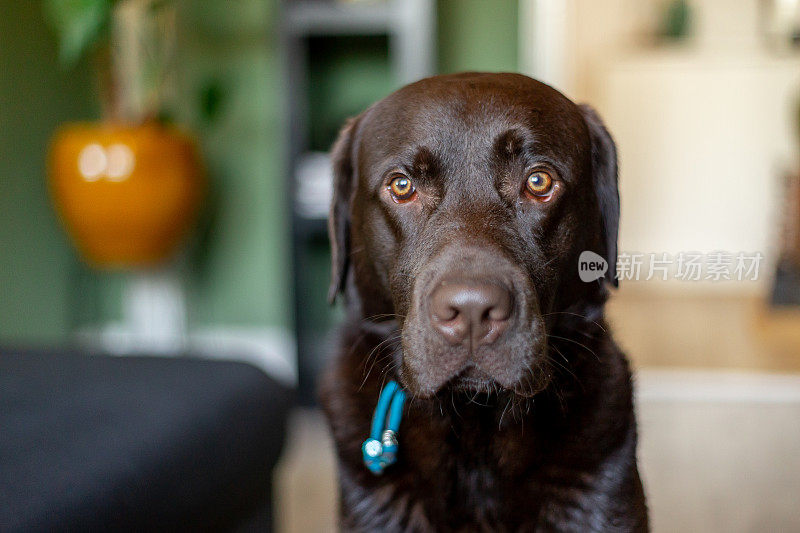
pixel 702 145
pixel 705 129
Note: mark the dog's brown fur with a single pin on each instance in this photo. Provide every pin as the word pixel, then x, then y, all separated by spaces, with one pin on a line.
pixel 542 436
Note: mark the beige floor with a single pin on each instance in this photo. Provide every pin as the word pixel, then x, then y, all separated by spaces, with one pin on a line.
pixel 718 401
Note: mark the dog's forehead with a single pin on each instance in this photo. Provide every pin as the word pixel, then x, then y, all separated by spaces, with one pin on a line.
pixel 467 114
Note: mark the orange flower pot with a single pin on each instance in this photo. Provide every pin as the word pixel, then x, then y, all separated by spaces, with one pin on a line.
pixel 127 194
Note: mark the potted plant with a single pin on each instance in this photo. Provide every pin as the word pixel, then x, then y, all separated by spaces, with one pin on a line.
pixel 127 188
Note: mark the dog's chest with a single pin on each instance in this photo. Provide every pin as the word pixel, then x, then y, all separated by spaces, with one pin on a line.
pixel 478 493
pixel 474 473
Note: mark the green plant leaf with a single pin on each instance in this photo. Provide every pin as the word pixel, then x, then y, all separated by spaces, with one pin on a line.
pixel 78 23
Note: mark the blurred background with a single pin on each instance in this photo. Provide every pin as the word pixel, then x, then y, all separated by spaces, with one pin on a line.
pixel 164 186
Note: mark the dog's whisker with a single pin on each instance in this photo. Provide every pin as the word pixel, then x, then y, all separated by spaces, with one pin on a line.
pixel 500 423
pixel 587 319
pixel 563 367
pixel 453 401
pixel 375 351
pixel 373 356
pixel 379 316
pixel 575 342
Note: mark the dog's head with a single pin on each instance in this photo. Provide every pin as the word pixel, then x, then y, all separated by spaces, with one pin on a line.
pixel 461 205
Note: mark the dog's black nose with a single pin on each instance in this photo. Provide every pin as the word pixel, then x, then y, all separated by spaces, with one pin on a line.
pixel 470 311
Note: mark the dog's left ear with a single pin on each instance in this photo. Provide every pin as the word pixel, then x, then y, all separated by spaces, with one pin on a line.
pixel 342 161
pixel 604 171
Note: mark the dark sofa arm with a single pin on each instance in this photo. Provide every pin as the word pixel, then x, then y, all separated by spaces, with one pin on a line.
pixel 94 443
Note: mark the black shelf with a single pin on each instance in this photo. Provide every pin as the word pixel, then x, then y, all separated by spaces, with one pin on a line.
pixel 311 227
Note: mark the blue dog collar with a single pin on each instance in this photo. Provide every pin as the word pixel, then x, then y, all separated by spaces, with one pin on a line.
pixel 380 449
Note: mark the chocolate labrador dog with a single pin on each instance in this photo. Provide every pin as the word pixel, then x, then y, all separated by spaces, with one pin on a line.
pixel 462 204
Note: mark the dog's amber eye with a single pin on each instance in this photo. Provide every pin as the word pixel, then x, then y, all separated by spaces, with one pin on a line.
pixel 402 188
pixel 539 183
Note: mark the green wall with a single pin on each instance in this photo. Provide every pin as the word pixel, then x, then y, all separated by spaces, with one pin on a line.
pixel 37 265
pixel 239 274
pixel 477 35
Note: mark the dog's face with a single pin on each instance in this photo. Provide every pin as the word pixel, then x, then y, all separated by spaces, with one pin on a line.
pixel 461 206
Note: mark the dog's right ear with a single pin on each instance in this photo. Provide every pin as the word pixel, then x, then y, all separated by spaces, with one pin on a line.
pixel 344 183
